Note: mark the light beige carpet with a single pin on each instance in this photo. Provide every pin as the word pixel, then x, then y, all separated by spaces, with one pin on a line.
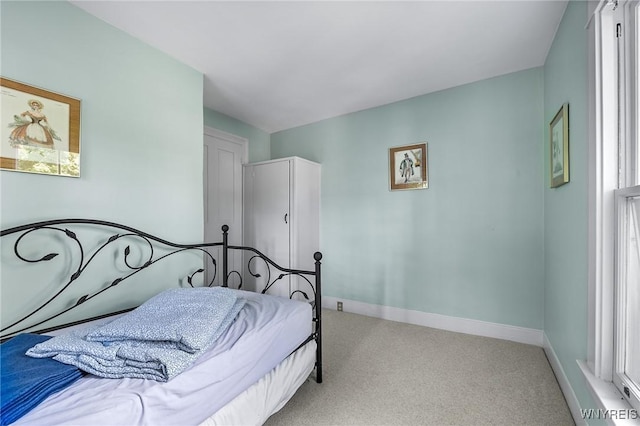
pixel 379 372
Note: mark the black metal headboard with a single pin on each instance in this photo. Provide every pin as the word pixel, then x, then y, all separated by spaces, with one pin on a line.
pixel 158 250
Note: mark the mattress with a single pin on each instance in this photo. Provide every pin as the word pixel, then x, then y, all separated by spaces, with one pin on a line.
pixel 269 394
pixel 267 330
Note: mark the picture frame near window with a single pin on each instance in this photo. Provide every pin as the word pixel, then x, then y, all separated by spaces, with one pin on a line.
pixel 408 167
pixel 559 148
pixel 40 130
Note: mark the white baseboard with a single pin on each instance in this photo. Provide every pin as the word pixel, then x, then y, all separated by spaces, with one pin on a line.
pixel 443 322
pixel 563 381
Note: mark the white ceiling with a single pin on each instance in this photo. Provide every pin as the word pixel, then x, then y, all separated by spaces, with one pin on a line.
pixel 277 65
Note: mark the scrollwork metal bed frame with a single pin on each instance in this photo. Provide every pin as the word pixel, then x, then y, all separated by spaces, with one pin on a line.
pixel 87 256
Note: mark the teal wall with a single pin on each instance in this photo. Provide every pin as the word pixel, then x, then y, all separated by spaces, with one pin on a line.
pixel 471 245
pixel 259 141
pixel 566 207
pixel 142 120
pixel 141 131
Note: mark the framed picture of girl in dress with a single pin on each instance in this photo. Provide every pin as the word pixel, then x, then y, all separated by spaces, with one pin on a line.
pixel 408 167
pixel 559 148
pixel 40 131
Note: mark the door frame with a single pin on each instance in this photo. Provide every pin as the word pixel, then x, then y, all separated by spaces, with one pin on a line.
pixel 244 142
pixel 211 131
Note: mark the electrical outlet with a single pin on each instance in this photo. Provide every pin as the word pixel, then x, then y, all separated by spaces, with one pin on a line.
pixel 339 307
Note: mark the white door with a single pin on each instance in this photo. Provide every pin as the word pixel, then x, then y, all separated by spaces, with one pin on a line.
pixel 224 155
pixel 268 229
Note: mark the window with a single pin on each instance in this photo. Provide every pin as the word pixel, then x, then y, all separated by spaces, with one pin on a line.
pixel 614 242
pixel 626 369
pixel 626 20
pixel 627 299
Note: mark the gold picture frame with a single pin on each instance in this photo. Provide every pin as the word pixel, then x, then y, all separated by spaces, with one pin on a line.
pixel 559 148
pixel 40 130
pixel 408 167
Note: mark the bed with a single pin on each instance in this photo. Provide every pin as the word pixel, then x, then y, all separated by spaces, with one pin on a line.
pixel 254 357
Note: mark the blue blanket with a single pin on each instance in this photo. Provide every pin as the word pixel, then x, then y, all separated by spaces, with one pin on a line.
pixel 26 382
pixel 157 341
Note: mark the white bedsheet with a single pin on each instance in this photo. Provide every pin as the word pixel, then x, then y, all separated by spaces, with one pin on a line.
pixel 266 331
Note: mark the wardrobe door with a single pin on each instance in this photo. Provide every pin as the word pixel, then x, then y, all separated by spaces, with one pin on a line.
pixel 305 224
pixel 267 213
pixel 305 211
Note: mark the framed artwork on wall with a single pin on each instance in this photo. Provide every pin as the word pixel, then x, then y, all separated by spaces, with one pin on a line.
pixel 40 130
pixel 559 148
pixel 408 167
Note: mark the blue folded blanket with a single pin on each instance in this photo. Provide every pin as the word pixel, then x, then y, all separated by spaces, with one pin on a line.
pixel 26 381
pixel 157 340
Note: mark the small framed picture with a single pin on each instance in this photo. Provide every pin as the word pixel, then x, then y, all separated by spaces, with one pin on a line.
pixel 559 148
pixel 408 167
pixel 40 130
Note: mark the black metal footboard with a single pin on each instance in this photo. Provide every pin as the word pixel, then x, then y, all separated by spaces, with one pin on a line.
pixel 130 252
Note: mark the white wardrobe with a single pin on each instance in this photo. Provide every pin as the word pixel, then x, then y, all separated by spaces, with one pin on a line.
pixel 282 219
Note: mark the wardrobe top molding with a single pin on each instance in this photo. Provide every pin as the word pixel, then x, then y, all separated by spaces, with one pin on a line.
pixel 275 160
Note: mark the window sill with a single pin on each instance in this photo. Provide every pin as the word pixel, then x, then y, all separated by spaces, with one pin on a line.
pixel 613 407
